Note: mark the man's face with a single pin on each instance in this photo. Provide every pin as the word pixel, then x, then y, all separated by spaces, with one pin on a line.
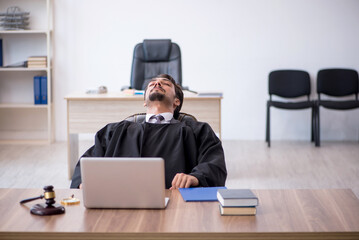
pixel 161 89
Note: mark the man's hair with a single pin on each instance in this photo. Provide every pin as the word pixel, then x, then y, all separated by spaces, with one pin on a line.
pixel 178 92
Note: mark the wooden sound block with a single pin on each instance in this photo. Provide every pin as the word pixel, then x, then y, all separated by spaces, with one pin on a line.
pixel 43 209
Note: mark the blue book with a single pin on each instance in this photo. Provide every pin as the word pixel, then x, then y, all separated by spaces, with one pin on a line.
pixel 37 90
pixel 43 90
pixel 200 194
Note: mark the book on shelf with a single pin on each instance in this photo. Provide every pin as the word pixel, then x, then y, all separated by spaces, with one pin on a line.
pixel 237 198
pixel 36 65
pixel 37 58
pixel 230 211
pixel 43 90
pixel 37 90
pixel 37 62
pixel 40 90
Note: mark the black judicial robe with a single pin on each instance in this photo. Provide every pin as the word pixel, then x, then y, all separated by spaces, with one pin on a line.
pixel 187 147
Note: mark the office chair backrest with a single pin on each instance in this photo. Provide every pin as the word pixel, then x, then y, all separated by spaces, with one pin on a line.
pixel 289 83
pixel 140 117
pixel 337 82
pixel 154 57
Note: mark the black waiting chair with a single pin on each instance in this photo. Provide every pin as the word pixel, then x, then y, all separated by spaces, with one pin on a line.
pixel 140 117
pixel 336 83
pixel 289 84
pixel 154 57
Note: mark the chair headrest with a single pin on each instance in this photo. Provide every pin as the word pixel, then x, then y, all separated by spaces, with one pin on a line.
pixel 157 50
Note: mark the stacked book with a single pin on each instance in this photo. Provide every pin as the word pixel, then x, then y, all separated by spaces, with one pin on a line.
pixel 237 202
pixel 37 62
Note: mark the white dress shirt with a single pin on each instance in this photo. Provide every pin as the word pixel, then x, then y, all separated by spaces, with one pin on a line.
pixel 167 117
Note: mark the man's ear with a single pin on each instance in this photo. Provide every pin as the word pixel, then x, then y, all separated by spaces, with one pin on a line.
pixel 176 102
pixel 144 104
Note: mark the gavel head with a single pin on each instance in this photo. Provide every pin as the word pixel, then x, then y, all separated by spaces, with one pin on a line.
pixel 49 195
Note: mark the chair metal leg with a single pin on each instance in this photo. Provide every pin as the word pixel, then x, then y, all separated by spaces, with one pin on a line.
pixel 317 136
pixel 312 125
pixel 268 126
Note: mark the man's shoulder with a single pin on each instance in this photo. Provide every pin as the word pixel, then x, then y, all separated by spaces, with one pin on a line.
pixel 201 130
pixel 195 125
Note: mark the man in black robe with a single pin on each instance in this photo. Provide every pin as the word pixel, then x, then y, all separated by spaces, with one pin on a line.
pixel 192 152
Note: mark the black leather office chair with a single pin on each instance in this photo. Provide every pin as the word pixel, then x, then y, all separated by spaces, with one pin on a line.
pixel 289 84
pixel 154 57
pixel 140 117
pixel 336 83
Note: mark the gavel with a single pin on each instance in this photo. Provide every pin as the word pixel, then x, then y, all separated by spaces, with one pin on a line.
pixel 49 196
pixel 50 207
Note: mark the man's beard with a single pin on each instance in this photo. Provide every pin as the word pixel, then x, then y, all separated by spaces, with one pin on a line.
pixel 156 96
pixel 159 97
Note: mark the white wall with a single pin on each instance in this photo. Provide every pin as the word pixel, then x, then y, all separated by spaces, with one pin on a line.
pixel 227 45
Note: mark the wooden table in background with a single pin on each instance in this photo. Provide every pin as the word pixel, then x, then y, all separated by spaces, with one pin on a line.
pixel 88 113
pixel 281 214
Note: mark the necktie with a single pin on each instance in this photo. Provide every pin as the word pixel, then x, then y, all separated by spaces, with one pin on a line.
pixel 158 118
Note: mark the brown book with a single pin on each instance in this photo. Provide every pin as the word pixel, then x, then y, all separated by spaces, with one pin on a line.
pixel 37 58
pixel 228 211
pixel 36 65
pixel 36 62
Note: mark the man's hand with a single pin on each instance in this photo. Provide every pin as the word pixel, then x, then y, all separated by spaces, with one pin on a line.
pixel 182 180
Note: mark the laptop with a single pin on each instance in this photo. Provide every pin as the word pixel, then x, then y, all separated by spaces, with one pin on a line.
pixel 123 182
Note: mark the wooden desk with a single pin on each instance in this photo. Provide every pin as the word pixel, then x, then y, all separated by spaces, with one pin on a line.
pixel 281 214
pixel 88 113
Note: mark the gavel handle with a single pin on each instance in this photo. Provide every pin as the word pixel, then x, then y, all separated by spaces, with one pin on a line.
pixel 31 199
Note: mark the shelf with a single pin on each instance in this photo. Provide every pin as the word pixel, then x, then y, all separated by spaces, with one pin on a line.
pixel 24 31
pixel 21 69
pixel 23 105
pixel 21 121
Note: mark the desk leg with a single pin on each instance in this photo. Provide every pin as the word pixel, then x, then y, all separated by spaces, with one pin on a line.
pixel 73 153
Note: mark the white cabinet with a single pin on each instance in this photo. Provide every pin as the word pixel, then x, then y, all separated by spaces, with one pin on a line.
pixel 21 120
